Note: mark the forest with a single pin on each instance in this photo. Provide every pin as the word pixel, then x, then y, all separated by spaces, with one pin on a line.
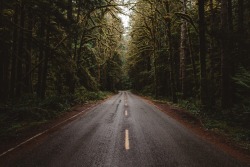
pixel 195 53
pixel 58 53
pixel 55 54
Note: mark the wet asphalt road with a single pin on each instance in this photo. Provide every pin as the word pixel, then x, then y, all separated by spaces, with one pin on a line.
pixel 123 131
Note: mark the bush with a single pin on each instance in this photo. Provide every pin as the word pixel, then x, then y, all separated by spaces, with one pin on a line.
pixel 191 106
pixel 82 95
pixel 56 103
pixel 30 111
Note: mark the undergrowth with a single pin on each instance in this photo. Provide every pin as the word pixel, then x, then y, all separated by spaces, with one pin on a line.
pixel 232 124
pixel 30 112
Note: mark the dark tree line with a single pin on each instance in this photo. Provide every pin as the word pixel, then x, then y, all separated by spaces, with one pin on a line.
pixel 54 47
pixel 196 51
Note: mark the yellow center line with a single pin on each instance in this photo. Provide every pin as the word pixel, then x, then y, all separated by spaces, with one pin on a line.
pixel 126 140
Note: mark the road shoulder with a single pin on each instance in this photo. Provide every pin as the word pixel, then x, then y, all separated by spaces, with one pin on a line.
pixel 196 126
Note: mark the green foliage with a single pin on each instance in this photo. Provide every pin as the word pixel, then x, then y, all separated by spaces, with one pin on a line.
pixel 238 134
pixel 7 12
pixel 82 95
pixel 242 84
pixel 55 103
pixel 191 106
pixel 162 59
pixel 147 90
pixel 57 54
pixel 30 112
pixel 188 19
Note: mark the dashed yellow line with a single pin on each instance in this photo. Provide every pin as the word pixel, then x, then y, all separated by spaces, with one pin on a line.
pixel 127 140
pixel 126 113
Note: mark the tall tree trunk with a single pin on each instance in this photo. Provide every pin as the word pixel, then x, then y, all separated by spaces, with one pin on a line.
pixel 20 55
pixel 170 46
pixel 45 64
pixel 241 31
pixel 69 11
pixel 27 79
pixel 183 54
pixel 4 59
pixel 241 11
pixel 232 63
pixel 41 60
pixel 71 75
pixel 226 98
pixel 13 76
pixel 192 58
pixel 202 48
pixel 212 71
pixel 76 33
pixel 153 20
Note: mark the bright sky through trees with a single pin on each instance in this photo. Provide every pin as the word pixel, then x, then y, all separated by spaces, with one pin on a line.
pixel 125 17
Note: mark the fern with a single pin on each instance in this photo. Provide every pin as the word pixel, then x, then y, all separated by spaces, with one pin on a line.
pixel 242 84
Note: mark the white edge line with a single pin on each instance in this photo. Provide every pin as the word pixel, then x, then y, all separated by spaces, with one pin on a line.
pixel 39 134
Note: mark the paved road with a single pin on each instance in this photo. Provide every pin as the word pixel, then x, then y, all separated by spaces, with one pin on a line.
pixel 123 131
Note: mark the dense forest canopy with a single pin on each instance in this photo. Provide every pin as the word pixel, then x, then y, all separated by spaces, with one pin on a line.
pixel 191 51
pixel 55 47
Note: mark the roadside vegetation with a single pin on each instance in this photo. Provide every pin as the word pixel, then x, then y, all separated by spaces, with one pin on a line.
pixel 196 55
pixel 224 124
pixel 30 112
pixel 54 55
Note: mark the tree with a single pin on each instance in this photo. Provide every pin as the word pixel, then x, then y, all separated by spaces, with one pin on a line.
pixel 202 50
pixel 183 53
pixel 226 91
pixel 46 43
pixel 170 51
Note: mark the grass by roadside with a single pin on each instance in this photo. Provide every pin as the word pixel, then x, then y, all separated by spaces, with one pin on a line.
pixel 30 113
